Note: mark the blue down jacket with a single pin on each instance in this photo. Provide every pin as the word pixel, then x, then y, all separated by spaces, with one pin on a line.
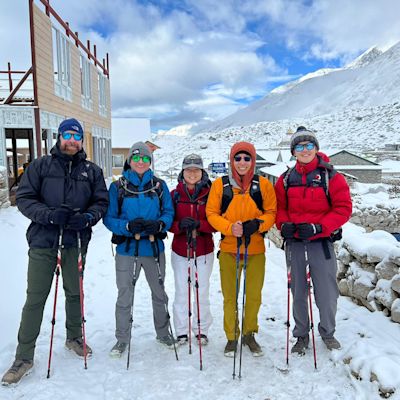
pixel 142 205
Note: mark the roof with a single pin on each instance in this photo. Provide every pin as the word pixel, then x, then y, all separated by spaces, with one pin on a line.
pixel 335 152
pixel 278 169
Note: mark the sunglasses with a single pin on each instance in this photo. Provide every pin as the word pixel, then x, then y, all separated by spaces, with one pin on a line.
pixel 240 158
pixel 137 157
pixel 301 147
pixel 68 135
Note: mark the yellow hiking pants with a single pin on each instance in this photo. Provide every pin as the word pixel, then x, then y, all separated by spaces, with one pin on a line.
pixel 255 272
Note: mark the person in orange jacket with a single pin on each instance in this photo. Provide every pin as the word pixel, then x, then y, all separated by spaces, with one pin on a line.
pixel 243 218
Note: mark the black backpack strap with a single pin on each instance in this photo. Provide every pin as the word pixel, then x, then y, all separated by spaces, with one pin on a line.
pixel 255 192
pixel 227 194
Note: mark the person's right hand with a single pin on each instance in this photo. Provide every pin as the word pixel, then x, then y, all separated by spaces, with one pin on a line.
pixel 237 229
pixel 136 225
pixel 288 230
pixel 60 216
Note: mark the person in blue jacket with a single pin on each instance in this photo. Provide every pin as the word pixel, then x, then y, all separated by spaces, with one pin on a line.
pixel 140 208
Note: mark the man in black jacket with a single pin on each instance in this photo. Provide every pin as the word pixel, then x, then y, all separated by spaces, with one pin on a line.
pixel 62 194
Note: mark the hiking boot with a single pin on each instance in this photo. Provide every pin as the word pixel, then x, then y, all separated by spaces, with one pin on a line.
pixel 301 345
pixel 76 345
pixel 255 348
pixel 167 341
pixel 118 349
pixel 18 370
pixel 230 348
pixel 332 343
pixel 203 339
pixel 182 339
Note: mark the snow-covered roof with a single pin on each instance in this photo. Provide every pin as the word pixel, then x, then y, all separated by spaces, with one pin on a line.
pixel 278 169
pixel 359 167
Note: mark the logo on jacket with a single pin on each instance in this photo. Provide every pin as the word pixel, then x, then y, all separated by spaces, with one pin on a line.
pixel 85 174
pixel 317 180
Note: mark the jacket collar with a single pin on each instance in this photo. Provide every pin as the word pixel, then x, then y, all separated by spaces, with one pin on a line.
pixel 134 178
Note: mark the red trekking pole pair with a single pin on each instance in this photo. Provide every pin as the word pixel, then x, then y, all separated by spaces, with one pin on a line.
pixel 81 296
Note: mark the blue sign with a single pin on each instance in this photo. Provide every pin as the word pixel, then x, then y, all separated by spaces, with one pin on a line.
pixel 218 167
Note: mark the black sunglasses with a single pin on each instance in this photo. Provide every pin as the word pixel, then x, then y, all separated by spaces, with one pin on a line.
pixel 240 158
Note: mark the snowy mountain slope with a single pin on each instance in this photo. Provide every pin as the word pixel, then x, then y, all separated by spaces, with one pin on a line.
pixel 371 80
pixel 352 129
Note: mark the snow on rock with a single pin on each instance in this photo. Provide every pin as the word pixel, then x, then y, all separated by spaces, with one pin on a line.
pixel 4 201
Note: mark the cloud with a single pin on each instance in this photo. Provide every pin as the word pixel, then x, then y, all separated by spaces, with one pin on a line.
pixel 177 60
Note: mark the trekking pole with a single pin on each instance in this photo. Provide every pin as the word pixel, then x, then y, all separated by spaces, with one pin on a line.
pixel 161 282
pixel 136 255
pixel 246 246
pixel 188 241
pixel 289 285
pixel 81 296
pixel 53 320
pixel 310 301
pixel 196 277
pixel 239 243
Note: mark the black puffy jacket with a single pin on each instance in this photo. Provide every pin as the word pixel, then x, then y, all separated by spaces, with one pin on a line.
pixel 52 181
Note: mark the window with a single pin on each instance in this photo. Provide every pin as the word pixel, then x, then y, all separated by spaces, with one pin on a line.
pixel 118 160
pixel 86 84
pixel 62 65
pixel 102 95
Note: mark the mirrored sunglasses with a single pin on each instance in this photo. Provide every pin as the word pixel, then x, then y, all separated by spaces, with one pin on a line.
pixel 137 157
pixel 240 158
pixel 189 161
pixel 301 147
pixel 68 135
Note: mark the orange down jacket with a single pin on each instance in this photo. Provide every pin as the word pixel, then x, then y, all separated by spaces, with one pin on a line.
pixel 241 208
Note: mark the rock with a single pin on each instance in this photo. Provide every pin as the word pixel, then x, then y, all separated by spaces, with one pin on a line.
pixel 395 285
pixel 395 311
pixel 344 256
pixel 384 294
pixel 386 270
pixel 344 288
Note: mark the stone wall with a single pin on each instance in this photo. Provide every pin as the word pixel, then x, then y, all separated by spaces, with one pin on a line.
pixel 4 200
pixel 369 271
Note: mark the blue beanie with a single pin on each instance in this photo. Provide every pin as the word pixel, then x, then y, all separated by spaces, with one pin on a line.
pixel 70 124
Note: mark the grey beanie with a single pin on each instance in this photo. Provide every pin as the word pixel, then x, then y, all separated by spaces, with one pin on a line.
pixel 141 149
pixel 192 161
pixel 302 134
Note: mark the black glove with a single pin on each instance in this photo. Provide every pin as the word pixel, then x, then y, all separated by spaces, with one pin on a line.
pixel 79 221
pixel 305 231
pixel 152 227
pixel 188 224
pixel 136 225
pixel 251 226
pixel 288 230
pixel 60 216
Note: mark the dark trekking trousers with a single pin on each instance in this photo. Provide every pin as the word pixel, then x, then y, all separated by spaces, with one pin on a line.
pixel 41 267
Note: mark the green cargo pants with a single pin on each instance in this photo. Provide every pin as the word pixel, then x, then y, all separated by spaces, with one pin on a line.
pixel 41 267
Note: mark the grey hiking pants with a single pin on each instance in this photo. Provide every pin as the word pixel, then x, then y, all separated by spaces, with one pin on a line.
pixel 326 292
pixel 124 274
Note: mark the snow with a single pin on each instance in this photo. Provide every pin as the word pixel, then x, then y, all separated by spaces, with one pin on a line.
pixel 370 341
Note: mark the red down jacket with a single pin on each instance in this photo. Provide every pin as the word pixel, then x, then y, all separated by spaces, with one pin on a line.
pixel 305 201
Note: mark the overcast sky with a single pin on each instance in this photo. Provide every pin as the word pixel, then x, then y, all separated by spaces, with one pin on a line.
pixel 179 62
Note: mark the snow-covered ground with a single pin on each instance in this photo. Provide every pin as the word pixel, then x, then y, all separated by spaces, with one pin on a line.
pixel 370 340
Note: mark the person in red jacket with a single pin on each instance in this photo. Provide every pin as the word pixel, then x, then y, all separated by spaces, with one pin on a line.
pixel 313 203
pixel 189 198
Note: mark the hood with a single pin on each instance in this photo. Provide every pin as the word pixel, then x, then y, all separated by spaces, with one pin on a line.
pixel 243 181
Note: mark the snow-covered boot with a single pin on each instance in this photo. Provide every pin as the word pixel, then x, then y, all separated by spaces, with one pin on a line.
pixel 18 370
pixel 76 345
pixel 301 345
pixel 118 349
pixel 331 343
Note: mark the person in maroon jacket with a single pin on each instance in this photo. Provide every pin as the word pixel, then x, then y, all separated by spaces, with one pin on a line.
pixel 189 198
pixel 313 203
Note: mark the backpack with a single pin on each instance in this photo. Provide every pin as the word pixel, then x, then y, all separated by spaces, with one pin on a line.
pixel 127 189
pixel 255 193
pixel 326 172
